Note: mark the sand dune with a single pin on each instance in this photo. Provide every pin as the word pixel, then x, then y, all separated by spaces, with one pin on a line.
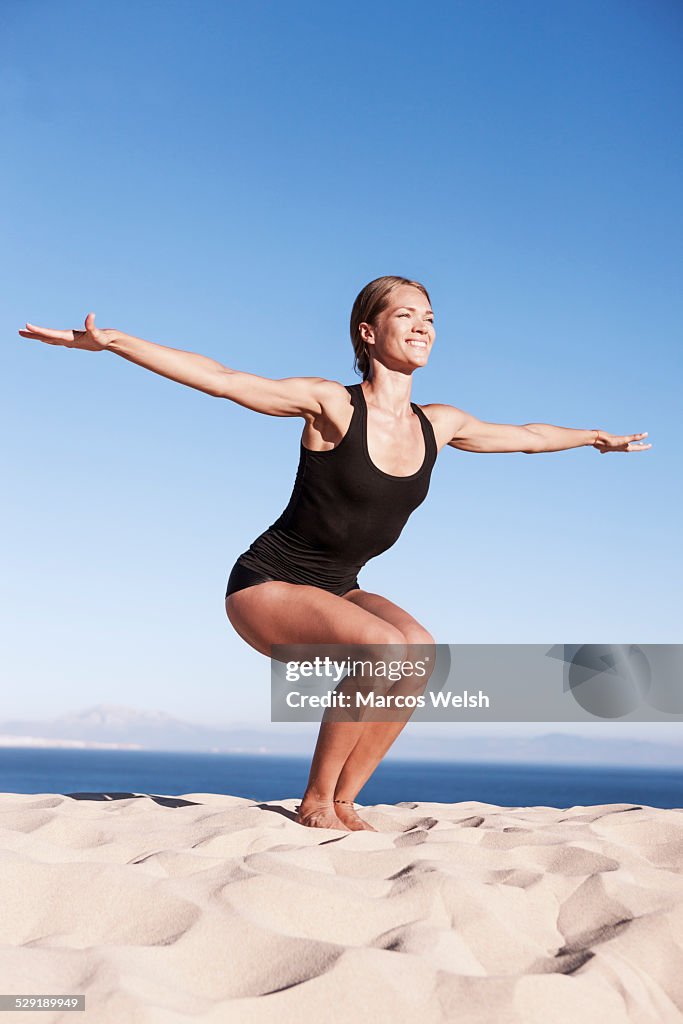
pixel 213 909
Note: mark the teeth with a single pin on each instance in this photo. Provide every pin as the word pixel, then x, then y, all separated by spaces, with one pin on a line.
pixel 417 344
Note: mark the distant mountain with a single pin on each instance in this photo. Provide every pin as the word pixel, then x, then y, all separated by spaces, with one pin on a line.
pixel 124 727
pixel 152 730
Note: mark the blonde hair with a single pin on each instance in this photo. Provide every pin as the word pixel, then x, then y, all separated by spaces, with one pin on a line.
pixel 370 302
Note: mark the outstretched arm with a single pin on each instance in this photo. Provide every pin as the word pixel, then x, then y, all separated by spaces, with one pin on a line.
pixel 464 431
pixel 290 396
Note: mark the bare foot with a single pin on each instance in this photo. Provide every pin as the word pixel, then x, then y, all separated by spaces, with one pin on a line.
pixel 319 815
pixel 347 814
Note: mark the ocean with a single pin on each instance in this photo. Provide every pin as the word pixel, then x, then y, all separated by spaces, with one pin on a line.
pixel 271 778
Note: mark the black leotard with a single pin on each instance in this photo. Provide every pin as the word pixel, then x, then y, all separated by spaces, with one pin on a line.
pixel 342 512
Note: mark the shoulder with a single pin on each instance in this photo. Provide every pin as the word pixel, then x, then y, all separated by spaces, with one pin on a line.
pixel 331 393
pixel 446 421
pixel 332 402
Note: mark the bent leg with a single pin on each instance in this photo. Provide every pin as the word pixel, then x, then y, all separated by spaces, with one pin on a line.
pixel 377 737
pixel 283 613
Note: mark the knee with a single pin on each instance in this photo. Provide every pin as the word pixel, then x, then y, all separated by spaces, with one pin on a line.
pixel 418 635
pixel 384 641
pixel 420 646
pixel 399 640
pixel 384 634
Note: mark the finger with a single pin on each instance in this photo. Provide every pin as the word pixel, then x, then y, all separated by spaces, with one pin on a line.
pixel 36 337
pixel 89 326
pixel 45 332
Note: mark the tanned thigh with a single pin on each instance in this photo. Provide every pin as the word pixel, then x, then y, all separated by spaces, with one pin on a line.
pixel 375 604
pixel 287 613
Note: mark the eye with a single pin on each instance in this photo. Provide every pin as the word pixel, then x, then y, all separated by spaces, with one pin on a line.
pixel 430 321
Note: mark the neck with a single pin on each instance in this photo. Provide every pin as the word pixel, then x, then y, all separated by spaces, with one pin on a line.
pixel 388 390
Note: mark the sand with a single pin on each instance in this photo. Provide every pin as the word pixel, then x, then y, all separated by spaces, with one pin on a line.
pixel 211 908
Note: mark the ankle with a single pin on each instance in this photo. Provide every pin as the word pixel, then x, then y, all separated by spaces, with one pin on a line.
pixel 314 796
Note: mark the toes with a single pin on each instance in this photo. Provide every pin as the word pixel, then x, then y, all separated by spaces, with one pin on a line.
pixel 322 819
pixel 355 822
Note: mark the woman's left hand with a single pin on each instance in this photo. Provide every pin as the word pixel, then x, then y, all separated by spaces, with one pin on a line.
pixel 605 442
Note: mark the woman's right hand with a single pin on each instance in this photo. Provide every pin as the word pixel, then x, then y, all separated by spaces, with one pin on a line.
pixel 92 339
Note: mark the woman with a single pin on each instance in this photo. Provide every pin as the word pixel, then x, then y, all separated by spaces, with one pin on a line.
pixel 365 461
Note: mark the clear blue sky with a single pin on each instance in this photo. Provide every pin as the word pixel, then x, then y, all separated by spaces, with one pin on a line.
pixel 224 178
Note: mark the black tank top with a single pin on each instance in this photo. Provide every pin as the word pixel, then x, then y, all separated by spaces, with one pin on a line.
pixel 343 510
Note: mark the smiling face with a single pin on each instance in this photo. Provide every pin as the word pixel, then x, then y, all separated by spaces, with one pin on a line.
pixel 403 334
